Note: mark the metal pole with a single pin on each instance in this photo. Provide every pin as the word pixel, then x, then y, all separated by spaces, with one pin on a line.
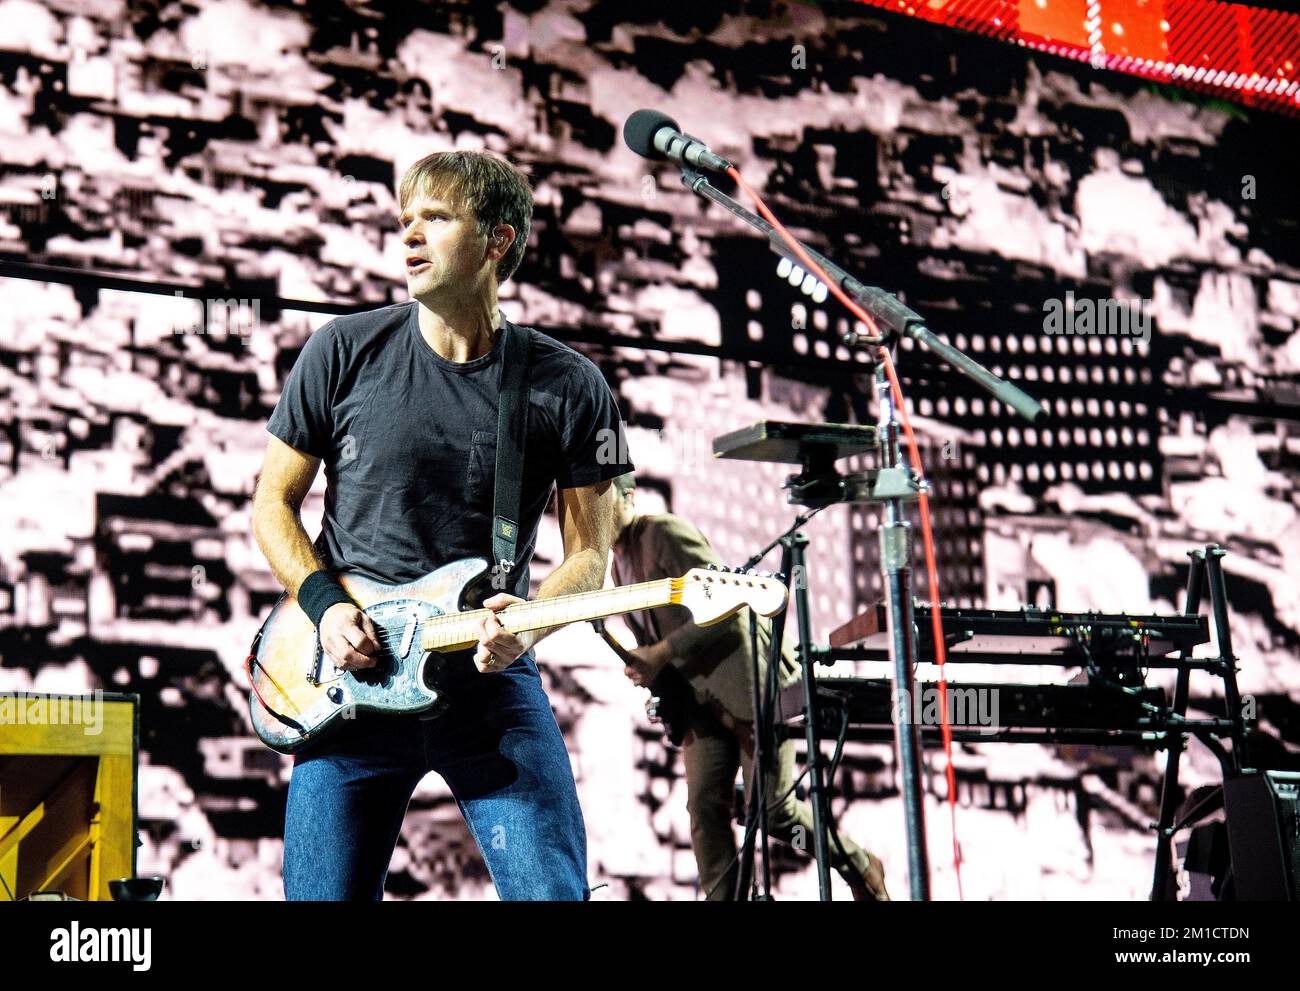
pixel 1163 887
pixel 896 570
pixel 756 829
pixel 795 544
pixel 1231 695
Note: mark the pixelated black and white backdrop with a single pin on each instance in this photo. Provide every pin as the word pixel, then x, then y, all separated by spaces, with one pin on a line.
pixel 249 150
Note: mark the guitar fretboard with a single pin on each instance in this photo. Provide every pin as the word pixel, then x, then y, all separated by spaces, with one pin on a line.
pixel 453 632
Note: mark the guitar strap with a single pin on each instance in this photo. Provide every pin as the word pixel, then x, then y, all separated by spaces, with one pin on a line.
pixel 512 430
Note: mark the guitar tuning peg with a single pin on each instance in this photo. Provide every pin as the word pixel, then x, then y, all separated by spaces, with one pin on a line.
pixel 713 567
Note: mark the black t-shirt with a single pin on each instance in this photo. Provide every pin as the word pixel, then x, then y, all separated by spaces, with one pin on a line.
pixel 409 440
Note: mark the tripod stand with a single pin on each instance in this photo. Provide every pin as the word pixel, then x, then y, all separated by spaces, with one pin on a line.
pixel 816 448
pixel 1206 568
pixel 793 562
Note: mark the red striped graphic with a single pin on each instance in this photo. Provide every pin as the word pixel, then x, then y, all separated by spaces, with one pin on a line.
pixel 1247 54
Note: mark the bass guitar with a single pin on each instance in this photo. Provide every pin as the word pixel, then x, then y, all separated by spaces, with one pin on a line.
pixel 672 703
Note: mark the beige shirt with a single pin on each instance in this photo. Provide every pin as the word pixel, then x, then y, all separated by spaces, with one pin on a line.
pixel 715 659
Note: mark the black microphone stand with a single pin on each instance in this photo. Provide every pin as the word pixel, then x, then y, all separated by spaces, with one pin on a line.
pixel 892 484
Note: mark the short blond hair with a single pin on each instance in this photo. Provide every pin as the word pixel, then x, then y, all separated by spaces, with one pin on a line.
pixel 491 188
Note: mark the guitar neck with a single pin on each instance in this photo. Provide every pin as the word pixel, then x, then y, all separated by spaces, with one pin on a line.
pixel 619 650
pixel 460 630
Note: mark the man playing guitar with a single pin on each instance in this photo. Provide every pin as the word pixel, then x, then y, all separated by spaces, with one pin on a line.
pixel 715 660
pixel 401 406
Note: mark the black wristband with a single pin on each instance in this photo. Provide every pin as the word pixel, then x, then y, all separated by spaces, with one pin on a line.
pixel 318 592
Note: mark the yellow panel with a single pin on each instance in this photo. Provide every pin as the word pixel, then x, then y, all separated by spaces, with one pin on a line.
pixel 72 773
pixel 102 726
pixel 116 833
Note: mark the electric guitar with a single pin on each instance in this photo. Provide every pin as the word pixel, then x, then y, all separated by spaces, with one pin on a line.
pixel 672 703
pixel 297 693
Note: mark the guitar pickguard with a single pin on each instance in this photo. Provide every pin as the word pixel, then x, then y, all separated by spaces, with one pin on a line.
pixel 297 693
pixel 396 683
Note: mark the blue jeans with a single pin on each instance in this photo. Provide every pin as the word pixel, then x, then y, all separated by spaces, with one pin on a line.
pixel 498 748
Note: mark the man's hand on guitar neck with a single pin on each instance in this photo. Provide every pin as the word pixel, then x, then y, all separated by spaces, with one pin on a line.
pixel 645 663
pixel 348 637
pixel 498 648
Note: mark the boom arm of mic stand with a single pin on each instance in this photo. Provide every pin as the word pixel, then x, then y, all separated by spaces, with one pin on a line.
pixel 885 308
pixel 1000 389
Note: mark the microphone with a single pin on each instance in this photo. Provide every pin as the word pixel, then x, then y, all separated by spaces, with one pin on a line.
pixel 652 134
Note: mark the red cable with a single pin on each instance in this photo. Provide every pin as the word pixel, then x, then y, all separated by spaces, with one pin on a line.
pixel 252 683
pixel 936 622
pixel 248 671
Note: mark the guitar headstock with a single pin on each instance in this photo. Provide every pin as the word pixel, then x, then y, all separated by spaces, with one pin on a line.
pixel 713 594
